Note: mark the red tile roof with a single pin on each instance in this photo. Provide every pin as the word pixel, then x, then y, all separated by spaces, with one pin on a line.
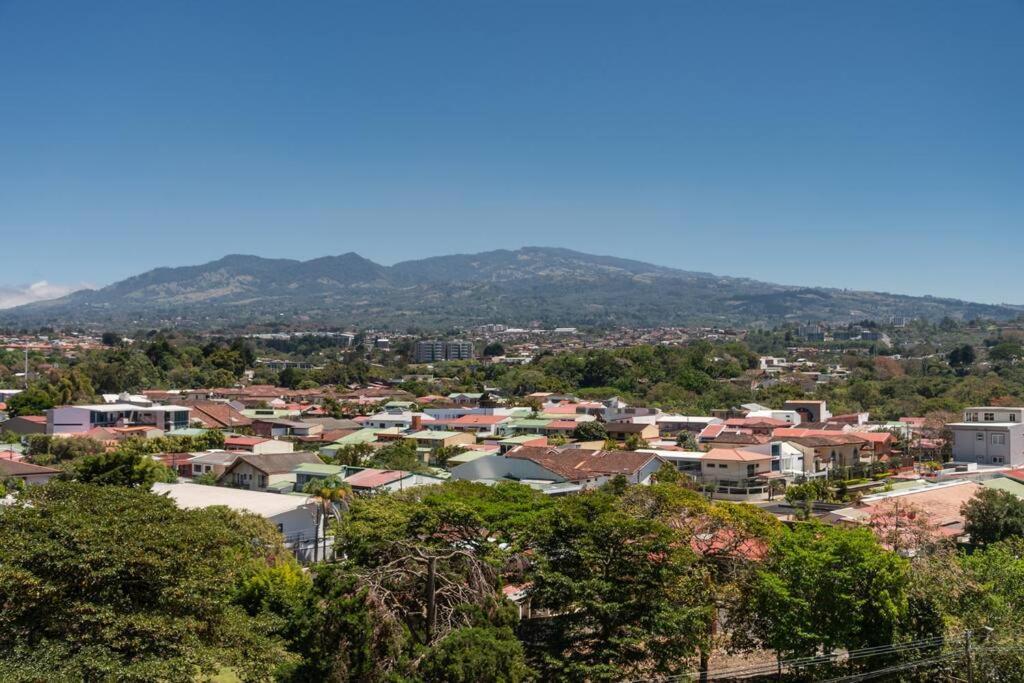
pixel 372 478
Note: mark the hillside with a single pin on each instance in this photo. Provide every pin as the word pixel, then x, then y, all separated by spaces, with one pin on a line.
pixel 545 285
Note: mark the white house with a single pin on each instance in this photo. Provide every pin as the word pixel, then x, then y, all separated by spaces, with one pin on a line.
pixel 80 419
pixel 293 515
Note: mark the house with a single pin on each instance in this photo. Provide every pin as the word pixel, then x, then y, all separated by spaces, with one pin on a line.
pixel 557 471
pixel 275 427
pixel 294 515
pixel 939 506
pixel 763 426
pixel 256 444
pixel 27 472
pixel 24 425
pixel 505 445
pixel 809 411
pixel 211 462
pixel 621 431
pixel 828 451
pixel 465 398
pixel 311 471
pixel 262 472
pixel 878 443
pixel 673 424
pixel 369 480
pixel 217 415
pixel 480 425
pixel 401 419
pixel 80 419
pixel 989 436
pixel 432 439
pixel 180 463
pixel 334 423
pixel 737 473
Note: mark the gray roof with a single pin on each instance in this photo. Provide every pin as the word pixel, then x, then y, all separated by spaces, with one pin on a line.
pixel 276 463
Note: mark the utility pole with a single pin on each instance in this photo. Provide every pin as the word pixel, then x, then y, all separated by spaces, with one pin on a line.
pixel 26 367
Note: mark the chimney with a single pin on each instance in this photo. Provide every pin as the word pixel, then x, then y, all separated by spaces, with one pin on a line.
pixel 417 422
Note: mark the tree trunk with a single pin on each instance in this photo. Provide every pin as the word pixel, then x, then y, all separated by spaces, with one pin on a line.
pixel 431 597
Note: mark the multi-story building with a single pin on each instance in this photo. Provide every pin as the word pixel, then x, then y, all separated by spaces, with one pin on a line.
pixel 989 436
pixel 433 350
pixel 79 419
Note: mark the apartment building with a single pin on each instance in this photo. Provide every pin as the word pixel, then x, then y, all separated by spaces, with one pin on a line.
pixel 989 436
pixel 432 350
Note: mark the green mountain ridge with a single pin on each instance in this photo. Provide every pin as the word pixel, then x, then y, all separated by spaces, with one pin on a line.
pixel 549 286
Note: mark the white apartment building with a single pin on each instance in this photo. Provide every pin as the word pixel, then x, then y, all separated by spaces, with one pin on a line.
pixel 990 436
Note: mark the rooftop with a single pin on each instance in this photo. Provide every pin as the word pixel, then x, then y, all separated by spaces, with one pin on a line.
pixel 199 496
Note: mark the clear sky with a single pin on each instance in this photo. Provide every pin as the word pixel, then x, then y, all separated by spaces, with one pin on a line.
pixel 862 144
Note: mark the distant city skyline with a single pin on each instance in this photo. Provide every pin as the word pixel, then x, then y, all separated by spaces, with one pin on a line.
pixel 870 146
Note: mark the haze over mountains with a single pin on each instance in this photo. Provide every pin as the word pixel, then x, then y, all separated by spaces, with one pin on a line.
pixel 534 284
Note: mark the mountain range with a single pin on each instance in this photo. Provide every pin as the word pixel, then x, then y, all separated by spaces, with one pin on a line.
pixel 549 286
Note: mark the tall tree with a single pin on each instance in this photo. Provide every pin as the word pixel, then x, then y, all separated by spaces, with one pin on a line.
pixel 93 589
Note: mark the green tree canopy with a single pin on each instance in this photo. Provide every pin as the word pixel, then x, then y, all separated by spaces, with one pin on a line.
pixel 94 589
pixel 827 588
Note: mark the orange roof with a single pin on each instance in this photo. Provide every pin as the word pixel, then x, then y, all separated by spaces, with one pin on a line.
pixel 734 455
pixel 561 409
pixel 875 437
pixel 783 432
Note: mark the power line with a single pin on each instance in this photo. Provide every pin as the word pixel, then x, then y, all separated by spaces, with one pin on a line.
pixel 804 662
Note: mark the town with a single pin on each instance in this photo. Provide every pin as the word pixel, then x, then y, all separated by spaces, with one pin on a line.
pixel 303 429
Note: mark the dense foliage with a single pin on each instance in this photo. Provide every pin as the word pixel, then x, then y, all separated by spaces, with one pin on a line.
pixel 113 583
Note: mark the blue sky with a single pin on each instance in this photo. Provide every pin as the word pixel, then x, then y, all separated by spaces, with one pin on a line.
pixel 869 145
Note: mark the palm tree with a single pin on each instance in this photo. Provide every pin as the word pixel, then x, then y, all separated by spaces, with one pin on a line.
pixel 332 496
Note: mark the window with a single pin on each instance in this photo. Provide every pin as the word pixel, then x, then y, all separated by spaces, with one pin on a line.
pixel 999 439
pixel 722 466
pixel 997 459
pixel 1013 417
pixel 990 417
pixel 980 436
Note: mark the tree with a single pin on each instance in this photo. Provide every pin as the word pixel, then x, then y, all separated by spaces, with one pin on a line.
pixel 399 455
pixel 354 455
pixel 441 455
pixel 628 598
pixel 635 442
pixel 494 349
pixel 962 356
pixel 122 469
pixel 332 496
pixel 94 589
pixel 993 515
pixel 469 655
pixel 825 588
pixel 110 339
pixel 44 449
pixel 35 400
pixel 590 431
pixel 687 440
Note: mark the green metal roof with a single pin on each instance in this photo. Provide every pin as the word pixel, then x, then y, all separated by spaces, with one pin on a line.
pixel 522 438
pixel 322 469
pixel 361 436
pixel 1005 484
pixel 188 431
pixel 530 423
pixel 468 456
